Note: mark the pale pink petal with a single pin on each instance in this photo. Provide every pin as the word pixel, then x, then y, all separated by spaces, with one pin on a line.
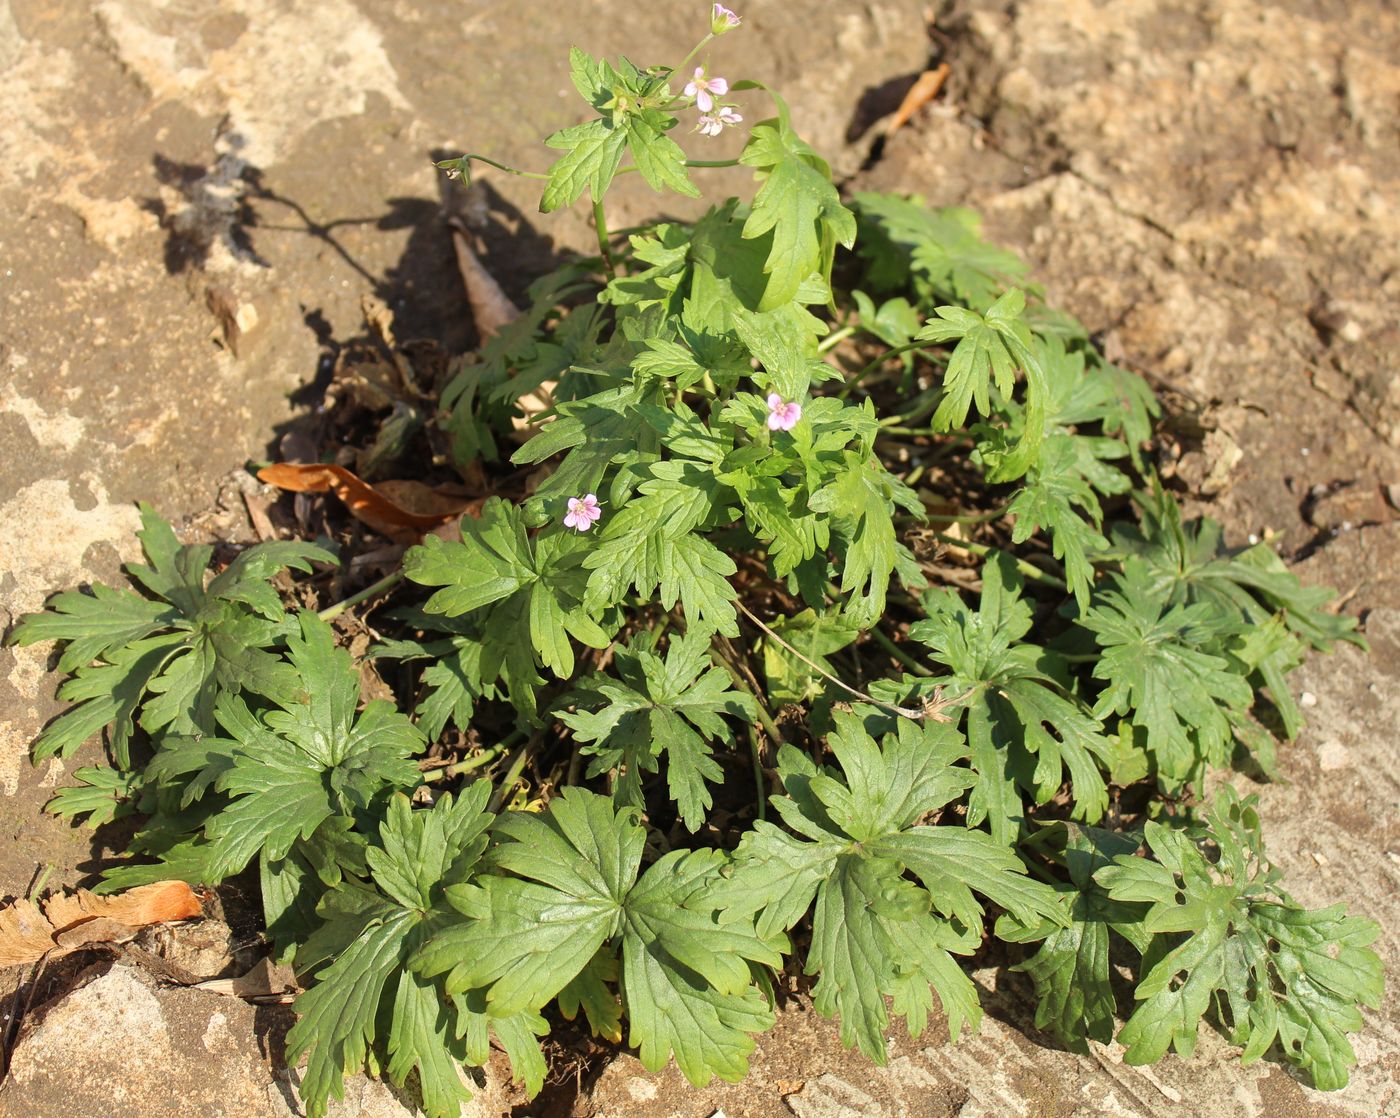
pixel 782 416
pixel 583 511
pixel 719 86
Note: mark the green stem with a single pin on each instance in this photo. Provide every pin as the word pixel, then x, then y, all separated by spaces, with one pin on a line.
pixel 330 613
pixel 1030 570
pixel 770 727
pixel 877 362
pixel 906 712
pixel 696 49
pixel 922 405
pixel 970 518
pixel 41 879
pixel 760 789
pixel 495 163
pixel 471 764
pixel 631 167
pixel 600 223
pixel 899 654
pixel 832 341
pixel 513 771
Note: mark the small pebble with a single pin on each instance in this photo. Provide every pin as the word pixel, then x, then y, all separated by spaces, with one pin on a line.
pixel 1308 699
pixel 1253 538
pixel 1305 452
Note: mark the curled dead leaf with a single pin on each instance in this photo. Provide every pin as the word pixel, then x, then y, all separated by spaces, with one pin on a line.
pixel 24 934
pixel 924 90
pixel 157 903
pixel 491 307
pixel 100 929
pixel 492 311
pixel 404 511
pixel 264 980
pixel 68 922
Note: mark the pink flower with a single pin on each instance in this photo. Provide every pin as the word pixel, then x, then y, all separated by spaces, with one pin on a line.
pixel 712 124
pixel 583 512
pixel 782 416
pixel 705 89
pixel 722 20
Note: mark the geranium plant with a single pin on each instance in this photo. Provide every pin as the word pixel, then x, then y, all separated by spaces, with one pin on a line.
pixel 831 620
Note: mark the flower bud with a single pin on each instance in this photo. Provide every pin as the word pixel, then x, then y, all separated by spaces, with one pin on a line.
pixel 722 20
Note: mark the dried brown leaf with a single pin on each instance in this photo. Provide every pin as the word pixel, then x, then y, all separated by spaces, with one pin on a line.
pixel 157 903
pixel 404 511
pixel 68 922
pixel 924 90
pixel 491 307
pixel 24 934
pixel 86 933
pixel 265 979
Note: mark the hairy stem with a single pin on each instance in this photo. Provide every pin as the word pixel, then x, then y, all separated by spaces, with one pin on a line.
pixel 696 49
pixel 884 641
pixel 760 788
pixel 471 764
pixel 513 771
pixel 770 727
pixel 878 361
pixel 388 582
pixel 834 339
pixel 927 711
pixel 600 224
pixel 743 678
pixel 493 163
pixel 1030 570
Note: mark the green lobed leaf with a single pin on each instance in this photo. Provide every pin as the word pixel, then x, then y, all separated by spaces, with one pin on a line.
pixel 854 839
pixel 669 708
pixel 1227 942
pixel 798 205
pixel 369 933
pixel 1024 730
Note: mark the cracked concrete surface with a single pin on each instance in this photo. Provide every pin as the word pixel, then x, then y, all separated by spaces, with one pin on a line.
pixel 1212 186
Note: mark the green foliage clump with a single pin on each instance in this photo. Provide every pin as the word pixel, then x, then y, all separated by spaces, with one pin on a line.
pixel 555 818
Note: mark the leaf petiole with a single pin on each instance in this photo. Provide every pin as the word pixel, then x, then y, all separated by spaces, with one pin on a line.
pixel 388 582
